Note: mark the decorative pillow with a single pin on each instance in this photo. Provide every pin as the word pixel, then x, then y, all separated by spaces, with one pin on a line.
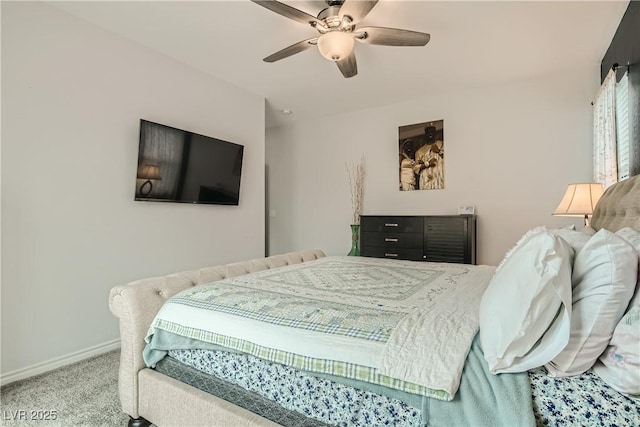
pixel 525 312
pixel 618 365
pixel 604 278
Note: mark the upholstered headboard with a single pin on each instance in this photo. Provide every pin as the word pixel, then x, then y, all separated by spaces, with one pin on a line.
pixel 619 206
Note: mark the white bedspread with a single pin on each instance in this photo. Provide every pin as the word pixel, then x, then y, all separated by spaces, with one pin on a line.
pixel 430 345
pixel 406 325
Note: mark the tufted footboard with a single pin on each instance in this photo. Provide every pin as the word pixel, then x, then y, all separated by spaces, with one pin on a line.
pixel 137 303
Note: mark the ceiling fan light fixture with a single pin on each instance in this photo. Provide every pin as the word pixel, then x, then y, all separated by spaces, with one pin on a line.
pixel 335 45
pixel 337 27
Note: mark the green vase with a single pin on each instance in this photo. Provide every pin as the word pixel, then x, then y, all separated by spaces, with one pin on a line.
pixel 355 240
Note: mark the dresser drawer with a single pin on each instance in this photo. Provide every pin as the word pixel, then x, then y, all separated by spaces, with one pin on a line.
pixel 392 253
pixel 392 224
pixel 392 240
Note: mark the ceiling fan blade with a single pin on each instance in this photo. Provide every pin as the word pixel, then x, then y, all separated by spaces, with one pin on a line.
pixel 290 12
pixel 348 65
pixel 356 9
pixel 392 36
pixel 291 50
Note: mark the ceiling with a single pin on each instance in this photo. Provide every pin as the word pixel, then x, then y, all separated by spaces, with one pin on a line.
pixel 473 43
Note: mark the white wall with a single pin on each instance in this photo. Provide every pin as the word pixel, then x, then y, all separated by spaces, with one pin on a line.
pixel 72 98
pixel 510 150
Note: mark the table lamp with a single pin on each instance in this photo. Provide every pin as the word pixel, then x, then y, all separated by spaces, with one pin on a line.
pixel 580 200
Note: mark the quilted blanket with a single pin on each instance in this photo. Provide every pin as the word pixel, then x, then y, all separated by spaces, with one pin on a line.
pixel 402 324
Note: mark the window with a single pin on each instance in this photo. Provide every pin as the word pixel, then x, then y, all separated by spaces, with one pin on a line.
pixel 612 131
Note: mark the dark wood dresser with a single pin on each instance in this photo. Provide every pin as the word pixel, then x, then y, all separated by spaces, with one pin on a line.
pixel 436 238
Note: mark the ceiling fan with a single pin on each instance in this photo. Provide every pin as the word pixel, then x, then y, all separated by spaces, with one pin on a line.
pixel 337 27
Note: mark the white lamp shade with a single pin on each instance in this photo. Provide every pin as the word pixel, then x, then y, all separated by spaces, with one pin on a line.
pixel 580 199
pixel 335 45
pixel 148 172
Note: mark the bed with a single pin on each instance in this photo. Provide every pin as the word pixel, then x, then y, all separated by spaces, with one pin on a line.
pixel 408 352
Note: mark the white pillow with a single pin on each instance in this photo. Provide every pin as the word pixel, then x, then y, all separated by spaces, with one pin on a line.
pixel 524 237
pixel 577 239
pixel 525 311
pixel 604 278
pixel 618 365
pixel 633 237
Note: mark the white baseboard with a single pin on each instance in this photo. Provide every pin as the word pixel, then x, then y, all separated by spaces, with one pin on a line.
pixel 58 362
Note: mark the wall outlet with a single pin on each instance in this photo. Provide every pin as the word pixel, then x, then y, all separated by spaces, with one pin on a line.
pixel 466 209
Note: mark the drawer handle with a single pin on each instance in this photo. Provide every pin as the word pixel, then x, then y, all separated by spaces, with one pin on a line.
pixel 391 255
pixel 390 225
pixel 388 239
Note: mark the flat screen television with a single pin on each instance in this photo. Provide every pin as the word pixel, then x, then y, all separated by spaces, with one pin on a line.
pixel 176 165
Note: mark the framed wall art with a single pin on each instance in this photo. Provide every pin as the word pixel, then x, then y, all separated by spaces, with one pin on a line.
pixel 421 156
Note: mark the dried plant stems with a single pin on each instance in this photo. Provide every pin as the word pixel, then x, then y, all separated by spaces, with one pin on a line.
pixel 356 184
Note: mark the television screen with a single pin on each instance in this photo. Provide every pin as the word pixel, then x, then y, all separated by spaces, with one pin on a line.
pixel 180 166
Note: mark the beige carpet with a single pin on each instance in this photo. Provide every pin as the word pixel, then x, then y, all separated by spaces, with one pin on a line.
pixel 82 394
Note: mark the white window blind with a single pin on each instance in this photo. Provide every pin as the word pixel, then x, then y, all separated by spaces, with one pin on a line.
pixel 604 132
pixel 622 127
